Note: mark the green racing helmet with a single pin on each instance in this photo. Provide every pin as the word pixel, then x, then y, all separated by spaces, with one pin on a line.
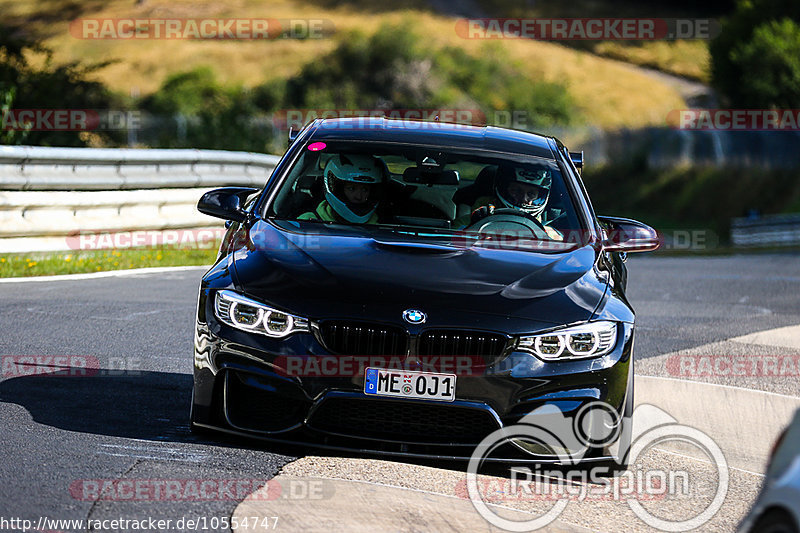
pixel 342 170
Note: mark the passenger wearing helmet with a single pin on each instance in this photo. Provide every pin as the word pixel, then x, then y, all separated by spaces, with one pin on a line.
pixel 352 190
pixel 526 188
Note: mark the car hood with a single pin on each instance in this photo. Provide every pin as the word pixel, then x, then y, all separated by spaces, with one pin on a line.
pixel 362 272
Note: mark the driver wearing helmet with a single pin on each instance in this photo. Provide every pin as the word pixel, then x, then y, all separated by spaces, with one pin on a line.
pixel 352 190
pixel 525 188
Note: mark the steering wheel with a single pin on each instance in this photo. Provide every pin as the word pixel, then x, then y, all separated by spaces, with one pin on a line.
pixel 508 221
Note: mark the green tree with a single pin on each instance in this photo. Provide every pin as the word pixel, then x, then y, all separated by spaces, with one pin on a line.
pixel 205 114
pixel 392 70
pixel 754 59
pixel 66 86
pixel 386 69
pixel 10 135
pixel 771 62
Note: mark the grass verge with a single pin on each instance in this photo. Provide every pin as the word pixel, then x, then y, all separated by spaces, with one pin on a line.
pixel 59 263
pixel 56 263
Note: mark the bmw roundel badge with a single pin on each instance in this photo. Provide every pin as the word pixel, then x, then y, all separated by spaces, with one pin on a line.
pixel 414 316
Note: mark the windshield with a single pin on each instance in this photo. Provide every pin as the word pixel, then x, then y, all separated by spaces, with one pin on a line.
pixel 417 188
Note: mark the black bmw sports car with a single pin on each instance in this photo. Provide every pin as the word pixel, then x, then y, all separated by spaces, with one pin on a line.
pixel 409 287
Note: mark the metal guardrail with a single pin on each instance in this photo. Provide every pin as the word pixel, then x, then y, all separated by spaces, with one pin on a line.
pixel 47 194
pixel 47 169
pixel 768 230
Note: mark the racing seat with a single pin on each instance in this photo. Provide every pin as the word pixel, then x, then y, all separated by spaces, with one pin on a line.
pixel 431 198
pixel 482 186
pixel 306 196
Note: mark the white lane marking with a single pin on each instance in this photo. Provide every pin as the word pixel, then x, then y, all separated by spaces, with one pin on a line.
pixel 127 447
pixel 785 337
pixel 159 453
pixel 422 491
pixel 105 274
pixel 683 455
pixel 188 459
pixel 691 381
pixel 129 316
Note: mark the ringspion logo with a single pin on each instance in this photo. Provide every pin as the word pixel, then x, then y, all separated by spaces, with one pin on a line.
pixel 549 433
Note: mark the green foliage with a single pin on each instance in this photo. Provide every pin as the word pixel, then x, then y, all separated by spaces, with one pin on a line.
pixel 385 69
pixel 206 114
pixel 391 70
pixel 495 84
pixel 10 136
pixel 771 60
pixel 187 92
pixel 754 60
pixel 64 87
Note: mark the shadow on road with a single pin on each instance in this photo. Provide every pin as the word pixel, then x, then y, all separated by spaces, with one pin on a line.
pixel 140 405
pixel 147 406
pixel 131 404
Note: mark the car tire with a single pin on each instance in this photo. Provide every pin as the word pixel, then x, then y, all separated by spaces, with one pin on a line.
pixel 193 427
pixel 612 467
pixel 775 521
pixel 621 466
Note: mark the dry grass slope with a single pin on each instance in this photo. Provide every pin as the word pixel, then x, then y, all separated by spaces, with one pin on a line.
pixel 609 95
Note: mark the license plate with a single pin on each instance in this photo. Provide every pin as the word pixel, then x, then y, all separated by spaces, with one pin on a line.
pixel 403 384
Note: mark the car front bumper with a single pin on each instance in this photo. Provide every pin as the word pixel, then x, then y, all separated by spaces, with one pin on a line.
pixel 242 386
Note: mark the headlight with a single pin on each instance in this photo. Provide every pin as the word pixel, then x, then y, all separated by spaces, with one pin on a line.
pixel 592 339
pixel 243 313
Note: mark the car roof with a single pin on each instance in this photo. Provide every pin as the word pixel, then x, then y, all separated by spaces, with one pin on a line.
pixel 382 129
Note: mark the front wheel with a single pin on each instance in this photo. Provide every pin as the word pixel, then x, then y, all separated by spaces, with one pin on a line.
pixel 774 521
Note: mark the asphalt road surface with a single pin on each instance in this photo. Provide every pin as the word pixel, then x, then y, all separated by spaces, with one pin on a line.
pixel 64 435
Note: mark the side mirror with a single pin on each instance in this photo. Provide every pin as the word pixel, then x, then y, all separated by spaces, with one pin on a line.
pixel 577 160
pixel 626 235
pixel 226 203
